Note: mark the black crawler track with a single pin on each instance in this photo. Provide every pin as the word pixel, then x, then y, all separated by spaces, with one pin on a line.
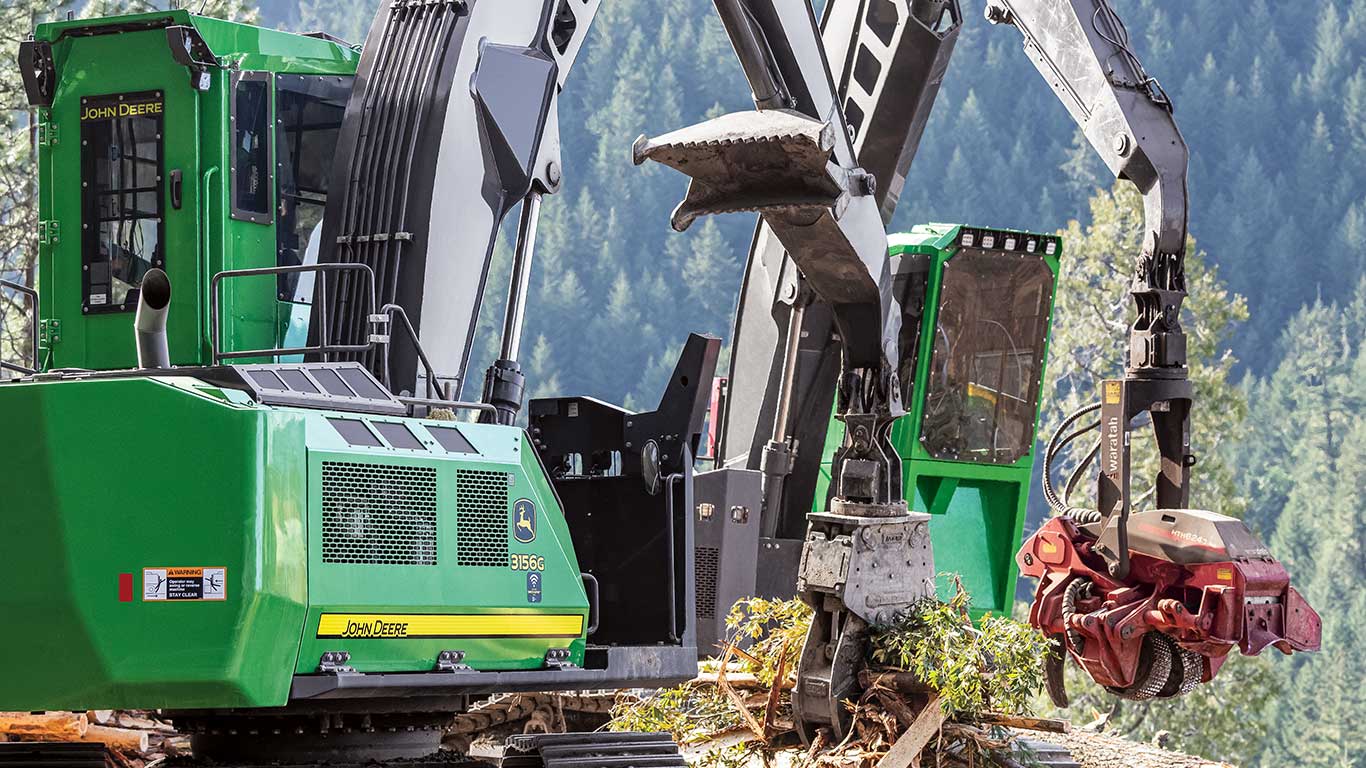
pixel 593 750
pixel 54 755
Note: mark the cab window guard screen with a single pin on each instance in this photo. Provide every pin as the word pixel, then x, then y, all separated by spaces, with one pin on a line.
pixel 987 365
pixel 121 174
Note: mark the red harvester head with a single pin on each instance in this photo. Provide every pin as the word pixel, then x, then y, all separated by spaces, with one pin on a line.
pixel 1199 585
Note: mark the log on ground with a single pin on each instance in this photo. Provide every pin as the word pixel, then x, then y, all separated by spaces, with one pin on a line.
pixel 50 726
pixel 1095 750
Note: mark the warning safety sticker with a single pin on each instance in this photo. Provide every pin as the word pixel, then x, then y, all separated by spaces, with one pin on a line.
pixel 172 584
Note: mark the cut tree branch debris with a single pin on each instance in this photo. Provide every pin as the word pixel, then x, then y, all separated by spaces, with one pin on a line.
pixel 740 705
pixel 905 753
pixel 940 692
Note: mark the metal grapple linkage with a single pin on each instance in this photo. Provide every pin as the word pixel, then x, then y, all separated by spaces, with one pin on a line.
pixel 784 165
pixel 795 165
pixel 793 161
pixel 1149 603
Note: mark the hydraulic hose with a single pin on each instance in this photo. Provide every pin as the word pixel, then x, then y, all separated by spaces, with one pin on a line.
pixel 1079 589
pixel 1061 439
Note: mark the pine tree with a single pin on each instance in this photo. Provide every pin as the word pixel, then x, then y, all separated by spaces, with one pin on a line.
pixel 702 274
pixel 1319 718
pixel 1330 50
pixel 1303 463
pixel 1084 172
pixel 1354 113
pixel 542 380
pixel 18 180
pixel 1308 383
pixel 962 189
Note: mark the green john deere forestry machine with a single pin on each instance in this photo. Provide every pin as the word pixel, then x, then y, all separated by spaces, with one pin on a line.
pixel 229 492
pixel 241 486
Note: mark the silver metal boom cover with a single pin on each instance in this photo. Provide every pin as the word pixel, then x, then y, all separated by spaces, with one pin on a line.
pixel 452 122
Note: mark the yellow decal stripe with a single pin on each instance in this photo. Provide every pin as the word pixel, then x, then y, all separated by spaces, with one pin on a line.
pixel 406 625
pixel 1113 393
pixel 981 392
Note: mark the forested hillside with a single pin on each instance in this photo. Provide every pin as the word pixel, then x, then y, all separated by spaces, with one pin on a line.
pixel 1272 101
pixel 1271 97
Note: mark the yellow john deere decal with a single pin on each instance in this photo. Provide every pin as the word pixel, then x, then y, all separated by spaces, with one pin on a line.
pixel 411 625
pixel 120 109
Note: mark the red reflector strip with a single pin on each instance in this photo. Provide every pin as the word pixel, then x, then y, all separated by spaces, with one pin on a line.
pixel 125 587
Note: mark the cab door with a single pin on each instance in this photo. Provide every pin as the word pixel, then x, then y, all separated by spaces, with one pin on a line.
pixel 122 196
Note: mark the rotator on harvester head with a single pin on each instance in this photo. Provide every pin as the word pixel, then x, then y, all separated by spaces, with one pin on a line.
pixel 1150 603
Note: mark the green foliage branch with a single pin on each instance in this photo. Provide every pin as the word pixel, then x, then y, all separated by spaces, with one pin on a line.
pixel 997 666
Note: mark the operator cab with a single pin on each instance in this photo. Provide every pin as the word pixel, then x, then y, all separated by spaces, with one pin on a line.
pixel 200 146
pixel 977 309
pixel 993 299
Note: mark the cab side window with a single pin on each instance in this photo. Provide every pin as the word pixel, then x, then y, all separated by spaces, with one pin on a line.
pixel 251 169
pixel 121 188
pixel 309 111
pixel 986 370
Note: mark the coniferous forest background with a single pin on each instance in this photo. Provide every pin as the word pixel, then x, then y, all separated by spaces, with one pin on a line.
pixel 1271 97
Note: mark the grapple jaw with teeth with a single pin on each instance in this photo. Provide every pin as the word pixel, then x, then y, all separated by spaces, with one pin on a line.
pixel 776 162
pixel 1200 585
pixel 785 166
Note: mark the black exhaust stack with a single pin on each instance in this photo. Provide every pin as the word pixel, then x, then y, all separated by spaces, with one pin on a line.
pixel 150 324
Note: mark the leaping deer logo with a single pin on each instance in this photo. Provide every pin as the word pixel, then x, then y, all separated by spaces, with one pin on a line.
pixel 524 521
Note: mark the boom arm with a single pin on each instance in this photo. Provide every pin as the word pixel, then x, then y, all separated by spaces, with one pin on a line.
pixel 889 60
pixel 794 161
pixel 1081 48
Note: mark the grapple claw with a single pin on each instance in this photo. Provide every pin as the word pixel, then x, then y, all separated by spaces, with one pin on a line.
pixel 773 162
pixel 1053 673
